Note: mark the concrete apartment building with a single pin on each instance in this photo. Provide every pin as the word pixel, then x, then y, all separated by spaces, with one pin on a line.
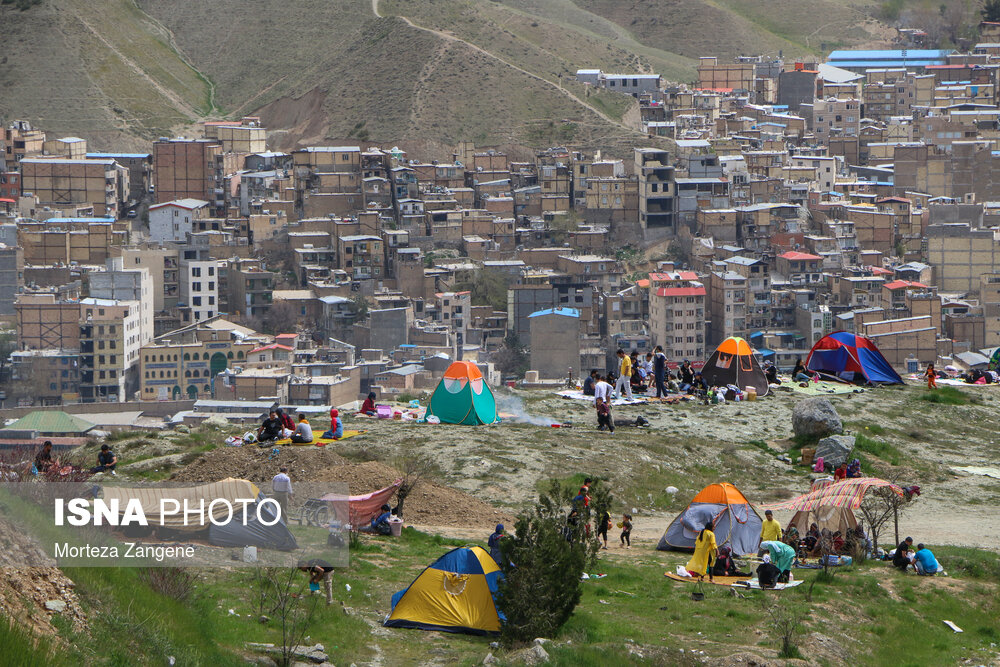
pixel 727 306
pixel 52 374
pixel 801 269
pixel 250 287
pixel 185 363
pixel 362 256
pixel 758 275
pixel 677 318
pixel 198 281
pixel 20 140
pixel 111 335
pixel 47 322
pixel 172 221
pixel 657 193
pixel 11 276
pixel 186 169
pixel 960 255
pixel 245 136
pixel 162 264
pixel 140 173
pixel 62 183
pixel 555 336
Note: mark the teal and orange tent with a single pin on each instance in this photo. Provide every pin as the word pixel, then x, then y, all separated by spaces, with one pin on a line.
pixel 463 397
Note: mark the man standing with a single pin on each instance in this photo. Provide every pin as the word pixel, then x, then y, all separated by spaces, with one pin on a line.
pixel 624 375
pixel 659 371
pixel 770 530
pixel 281 487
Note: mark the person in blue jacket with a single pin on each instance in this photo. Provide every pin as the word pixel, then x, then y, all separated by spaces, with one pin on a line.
pixel 380 524
pixel 924 562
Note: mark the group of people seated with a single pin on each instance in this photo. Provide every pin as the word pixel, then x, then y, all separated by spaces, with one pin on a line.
pixel 816 542
pixel 44 463
pixel 279 425
pixel 922 560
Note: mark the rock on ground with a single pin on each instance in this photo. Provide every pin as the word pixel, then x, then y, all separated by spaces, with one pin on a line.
pixel 815 418
pixel 835 449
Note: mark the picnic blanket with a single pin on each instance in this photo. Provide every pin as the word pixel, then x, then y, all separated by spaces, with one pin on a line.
pixel 952 382
pixel 319 442
pixel 367 506
pixel 738 582
pixel 822 387
pixel 578 395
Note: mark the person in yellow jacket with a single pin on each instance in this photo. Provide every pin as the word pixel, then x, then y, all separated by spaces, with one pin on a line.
pixel 770 531
pixel 705 553
pixel 624 375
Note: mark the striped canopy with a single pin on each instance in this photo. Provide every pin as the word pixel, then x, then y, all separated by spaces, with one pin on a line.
pixel 847 493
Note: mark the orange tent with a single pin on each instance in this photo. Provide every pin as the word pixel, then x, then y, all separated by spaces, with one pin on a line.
pixel 736 522
pixel 735 362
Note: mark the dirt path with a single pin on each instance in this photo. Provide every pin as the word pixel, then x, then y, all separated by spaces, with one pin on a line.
pixel 453 38
pixel 178 102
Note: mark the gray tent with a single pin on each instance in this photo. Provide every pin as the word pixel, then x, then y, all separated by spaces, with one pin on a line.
pixel 737 523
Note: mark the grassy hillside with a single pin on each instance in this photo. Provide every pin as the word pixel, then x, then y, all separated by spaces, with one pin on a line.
pixel 493 71
pixel 103 70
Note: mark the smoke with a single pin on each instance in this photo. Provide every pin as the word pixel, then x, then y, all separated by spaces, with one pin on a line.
pixel 512 404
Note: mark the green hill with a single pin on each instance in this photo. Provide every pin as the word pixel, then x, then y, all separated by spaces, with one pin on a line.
pixel 494 72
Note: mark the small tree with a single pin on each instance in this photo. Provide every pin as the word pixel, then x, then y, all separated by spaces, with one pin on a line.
pixel 415 469
pixel 283 591
pixel 786 622
pixel 878 507
pixel 542 564
pixel 512 357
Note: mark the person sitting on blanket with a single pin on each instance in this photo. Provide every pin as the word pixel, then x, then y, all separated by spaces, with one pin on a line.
pixel 590 382
pixel 767 573
pixel 901 558
pixel 725 566
pixel 854 469
pixel 303 432
pixel 271 428
pixel 782 556
pixel 705 553
pixel 811 539
pixel 286 423
pixel 924 562
pixel 43 460
pixel 336 431
pixel 367 408
pixel 840 473
pixel 799 373
pixel 771 373
pixel 380 524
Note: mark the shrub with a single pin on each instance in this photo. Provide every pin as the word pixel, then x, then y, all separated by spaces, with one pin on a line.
pixel 173 582
pixel 946 396
pixel 542 564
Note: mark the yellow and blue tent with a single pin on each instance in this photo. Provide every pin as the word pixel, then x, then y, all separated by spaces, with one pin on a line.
pixel 454 594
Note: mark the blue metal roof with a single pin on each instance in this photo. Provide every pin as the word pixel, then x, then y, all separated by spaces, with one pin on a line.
pixel 565 312
pixel 893 54
pixel 101 156
pixel 888 62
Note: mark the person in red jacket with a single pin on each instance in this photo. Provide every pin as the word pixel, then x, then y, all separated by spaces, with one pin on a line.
pixel 286 422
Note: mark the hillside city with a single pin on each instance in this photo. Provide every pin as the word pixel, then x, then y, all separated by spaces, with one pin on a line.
pixel 795 199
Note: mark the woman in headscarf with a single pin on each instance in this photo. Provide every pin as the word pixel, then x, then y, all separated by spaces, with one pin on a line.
pixel 811 538
pixel 782 556
pixel 725 566
pixel 705 553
